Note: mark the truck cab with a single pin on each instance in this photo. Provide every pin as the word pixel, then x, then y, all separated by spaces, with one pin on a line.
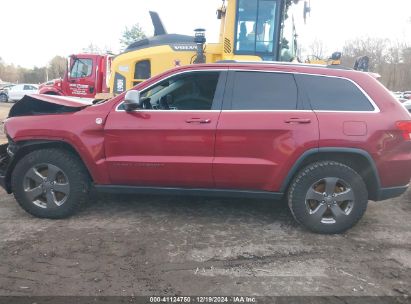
pixel 86 76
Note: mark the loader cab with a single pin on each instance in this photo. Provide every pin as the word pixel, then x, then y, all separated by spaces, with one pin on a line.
pixel 258 28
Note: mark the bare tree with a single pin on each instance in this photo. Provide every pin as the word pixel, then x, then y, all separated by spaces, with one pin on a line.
pixel 92 49
pixel 317 49
pixel 374 48
pixel 391 59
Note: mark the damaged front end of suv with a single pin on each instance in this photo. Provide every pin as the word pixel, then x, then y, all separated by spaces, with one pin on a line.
pixel 32 105
pixel 7 153
pixel 4 163
pixel 27 112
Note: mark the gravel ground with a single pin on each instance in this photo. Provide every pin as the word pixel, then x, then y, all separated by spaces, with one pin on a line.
pixel 146 245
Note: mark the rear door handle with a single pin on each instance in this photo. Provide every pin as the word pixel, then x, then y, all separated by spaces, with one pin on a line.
pixel 198 121
pixel 298 121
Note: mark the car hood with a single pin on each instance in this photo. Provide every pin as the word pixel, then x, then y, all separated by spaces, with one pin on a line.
pixel 36 104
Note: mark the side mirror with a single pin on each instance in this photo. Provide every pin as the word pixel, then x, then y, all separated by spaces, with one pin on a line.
pixel 219 14
pixel 70 63
pixel 69 67
pixel 132 100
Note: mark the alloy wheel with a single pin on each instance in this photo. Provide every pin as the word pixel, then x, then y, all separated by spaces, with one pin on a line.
pixel 329 200
pixel 46 186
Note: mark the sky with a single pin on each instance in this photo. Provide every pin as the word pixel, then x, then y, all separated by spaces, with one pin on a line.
pixel 34 31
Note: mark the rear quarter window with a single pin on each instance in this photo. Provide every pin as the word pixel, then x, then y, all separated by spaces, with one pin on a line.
pixel 334 94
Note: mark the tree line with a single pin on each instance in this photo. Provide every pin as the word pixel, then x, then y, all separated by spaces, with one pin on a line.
pixel 390 59
pixel 57 66
pixel 17 74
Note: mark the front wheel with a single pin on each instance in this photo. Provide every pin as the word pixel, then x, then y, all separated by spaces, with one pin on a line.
pixel 328 197
pixel 50 183
pixel 3 98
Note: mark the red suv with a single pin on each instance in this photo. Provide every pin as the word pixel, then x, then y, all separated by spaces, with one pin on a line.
pixel 327 140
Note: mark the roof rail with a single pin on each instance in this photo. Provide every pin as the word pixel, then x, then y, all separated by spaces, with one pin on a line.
pixel 270 62
pixel 339 67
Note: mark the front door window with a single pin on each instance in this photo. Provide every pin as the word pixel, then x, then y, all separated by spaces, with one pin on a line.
pixel 190 91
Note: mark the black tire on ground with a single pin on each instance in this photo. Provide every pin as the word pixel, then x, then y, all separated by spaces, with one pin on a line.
pixel 327 197
pixel 50 183
pixel 3 98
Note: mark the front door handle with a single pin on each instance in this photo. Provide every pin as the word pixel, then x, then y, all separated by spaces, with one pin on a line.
pixel 298 121
pixel 198 121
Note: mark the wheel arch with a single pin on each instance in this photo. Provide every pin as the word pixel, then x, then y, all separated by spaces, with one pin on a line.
pixel 358 159
pixel 27 147
pixel 4 94
pixel 50 91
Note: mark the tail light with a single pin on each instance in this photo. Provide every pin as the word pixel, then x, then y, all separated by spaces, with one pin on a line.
pixel 405 128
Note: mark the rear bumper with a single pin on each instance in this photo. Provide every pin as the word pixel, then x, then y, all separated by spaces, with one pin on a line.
pixel 387 193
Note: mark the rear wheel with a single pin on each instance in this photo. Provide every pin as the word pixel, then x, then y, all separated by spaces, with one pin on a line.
pixel 50 183
pixel 328 197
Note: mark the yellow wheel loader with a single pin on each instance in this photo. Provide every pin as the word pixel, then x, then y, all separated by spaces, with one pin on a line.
pixel 251 30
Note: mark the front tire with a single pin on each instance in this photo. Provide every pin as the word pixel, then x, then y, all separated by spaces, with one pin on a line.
pixel 50 183
pixel 3 98
pixel 328 197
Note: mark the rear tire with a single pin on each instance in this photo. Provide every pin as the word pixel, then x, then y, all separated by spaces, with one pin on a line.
pixel 50 183
pixel 327 197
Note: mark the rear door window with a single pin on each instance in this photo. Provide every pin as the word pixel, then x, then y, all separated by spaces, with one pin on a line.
pixel 264 91
pixel 334 94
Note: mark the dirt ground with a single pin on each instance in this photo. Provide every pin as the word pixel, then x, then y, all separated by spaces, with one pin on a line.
pixel 132 245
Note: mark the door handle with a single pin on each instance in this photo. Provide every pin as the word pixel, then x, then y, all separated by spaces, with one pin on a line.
pixel 298 121
pixel 198 121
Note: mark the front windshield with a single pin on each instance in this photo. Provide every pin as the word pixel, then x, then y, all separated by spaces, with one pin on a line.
pixel 256 27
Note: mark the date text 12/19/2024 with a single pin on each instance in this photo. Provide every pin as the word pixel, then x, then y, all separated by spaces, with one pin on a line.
pixel 203 299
